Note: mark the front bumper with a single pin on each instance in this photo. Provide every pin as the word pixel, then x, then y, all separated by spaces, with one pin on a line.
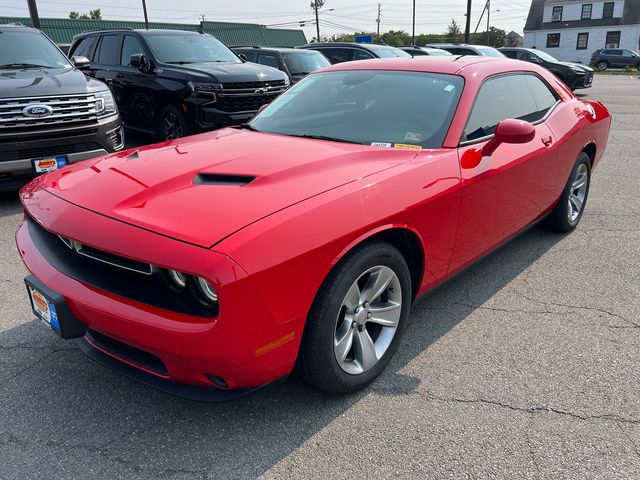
pixel 17 155
pixel 243 345
pixel 583 81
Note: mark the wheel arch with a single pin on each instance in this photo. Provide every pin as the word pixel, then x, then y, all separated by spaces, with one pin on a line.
pixel 406 239
pixel 590 149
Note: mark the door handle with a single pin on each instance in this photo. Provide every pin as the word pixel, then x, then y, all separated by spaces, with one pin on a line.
pixel 547 140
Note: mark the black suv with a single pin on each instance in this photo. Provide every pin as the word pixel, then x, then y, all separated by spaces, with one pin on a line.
pixel 51 114
pixel 338 52
pixel 615 58
pixel 176 83
pixel 296 63
pixel 574 75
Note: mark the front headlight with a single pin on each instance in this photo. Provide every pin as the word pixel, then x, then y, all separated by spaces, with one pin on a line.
pixel 105 104
pixel 203 87
pixel 577 69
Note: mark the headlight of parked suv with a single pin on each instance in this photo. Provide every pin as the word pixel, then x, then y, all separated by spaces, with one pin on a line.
pixel 105 104
pixel 205 87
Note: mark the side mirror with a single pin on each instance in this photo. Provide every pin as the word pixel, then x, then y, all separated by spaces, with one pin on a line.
pixel 509 131
pixel 81 63
pixel 137 60
pixel 243 57
pixel 262 107
pixel 506 131
pixel 535 60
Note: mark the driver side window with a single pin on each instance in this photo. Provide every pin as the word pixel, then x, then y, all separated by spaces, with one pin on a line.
pixel 519 96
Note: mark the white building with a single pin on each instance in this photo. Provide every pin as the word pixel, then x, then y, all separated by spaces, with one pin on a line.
pixel 572 30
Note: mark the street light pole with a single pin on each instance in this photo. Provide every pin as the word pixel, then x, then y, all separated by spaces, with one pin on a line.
pixel 467 28
pixel 488 15
pixel 146 18
pixel 413 35
pixel 33 13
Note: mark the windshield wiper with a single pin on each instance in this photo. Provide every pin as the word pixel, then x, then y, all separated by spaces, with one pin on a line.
pixel 331 139
pixel 246 126
pixel 24 65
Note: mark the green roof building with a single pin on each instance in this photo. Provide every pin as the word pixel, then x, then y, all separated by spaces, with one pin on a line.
pixel 62 30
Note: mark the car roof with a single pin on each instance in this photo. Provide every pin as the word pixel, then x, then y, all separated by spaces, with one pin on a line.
pixel 450 65
pixel 366 46
pixel 154 31
pixel 272 49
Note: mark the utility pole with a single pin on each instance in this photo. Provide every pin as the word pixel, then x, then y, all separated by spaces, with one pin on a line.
pixel 413 34
pixel 146 18
pixel 488 15
pixel 317 5
pixel 467 27
pixel 378 21
pixel 33 13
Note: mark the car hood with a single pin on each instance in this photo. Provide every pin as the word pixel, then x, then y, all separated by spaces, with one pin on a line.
pixel 234 72
pixel 204 188
pixel 34 82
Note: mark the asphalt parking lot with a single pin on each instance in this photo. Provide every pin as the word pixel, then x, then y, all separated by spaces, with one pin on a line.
pixel 526 366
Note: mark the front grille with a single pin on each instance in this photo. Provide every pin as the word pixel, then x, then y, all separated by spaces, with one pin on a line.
pixel 49 151
pixel 243 85
pixel 243 104
pixel 126 352
pixel 115 274
pixel 67 110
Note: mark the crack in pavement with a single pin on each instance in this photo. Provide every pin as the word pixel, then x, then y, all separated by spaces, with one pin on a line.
pixel 534 409
pixel 31 365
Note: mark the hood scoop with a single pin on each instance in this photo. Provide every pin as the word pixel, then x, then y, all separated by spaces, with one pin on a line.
pixel 222 179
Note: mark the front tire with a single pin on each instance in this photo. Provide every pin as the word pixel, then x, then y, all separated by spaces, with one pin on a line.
pixel 567 213
pixel 356 320
pixel 602 65
pixel 172 123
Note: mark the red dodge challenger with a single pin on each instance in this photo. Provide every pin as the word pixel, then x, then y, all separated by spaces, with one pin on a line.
pixel 212 265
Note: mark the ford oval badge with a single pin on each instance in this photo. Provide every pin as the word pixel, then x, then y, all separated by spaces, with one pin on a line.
pixel 37 111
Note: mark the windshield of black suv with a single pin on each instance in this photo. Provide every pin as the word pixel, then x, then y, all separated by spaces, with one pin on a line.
pixel 25 48
pixel 175 48
pixel 384 51
pixel 304 61
pixel 491 52
pixel 380 108
pixel 545 56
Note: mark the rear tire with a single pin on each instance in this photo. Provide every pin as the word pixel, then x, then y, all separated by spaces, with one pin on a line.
pixel 352 331
pixel 172 123
pixel 567 213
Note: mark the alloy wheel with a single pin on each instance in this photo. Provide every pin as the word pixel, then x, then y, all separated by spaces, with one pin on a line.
pixel 368 320
pixel 578 193
pixel 171 127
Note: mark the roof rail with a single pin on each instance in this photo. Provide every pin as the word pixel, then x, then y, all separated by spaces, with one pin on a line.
pixel 246 46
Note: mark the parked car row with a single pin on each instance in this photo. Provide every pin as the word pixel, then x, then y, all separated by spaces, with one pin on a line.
pixel 56 111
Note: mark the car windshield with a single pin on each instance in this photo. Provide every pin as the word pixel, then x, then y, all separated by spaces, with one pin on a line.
pixel 29 49
pixel 383 51
pixel 439 53
pixel 175 48
pixel 545 56
pixel 304 62
pixel 366 106
pixel 491 52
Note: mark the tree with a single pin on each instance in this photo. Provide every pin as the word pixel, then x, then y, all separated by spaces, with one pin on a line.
pixel 395 38
pixel 496 38
pixel 453 32
pixel 94 14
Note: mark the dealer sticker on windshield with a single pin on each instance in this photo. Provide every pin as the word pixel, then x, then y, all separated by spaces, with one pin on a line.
pixel 381 144
pixel 406 146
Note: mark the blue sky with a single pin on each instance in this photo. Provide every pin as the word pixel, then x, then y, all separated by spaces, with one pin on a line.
pixel 432 16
